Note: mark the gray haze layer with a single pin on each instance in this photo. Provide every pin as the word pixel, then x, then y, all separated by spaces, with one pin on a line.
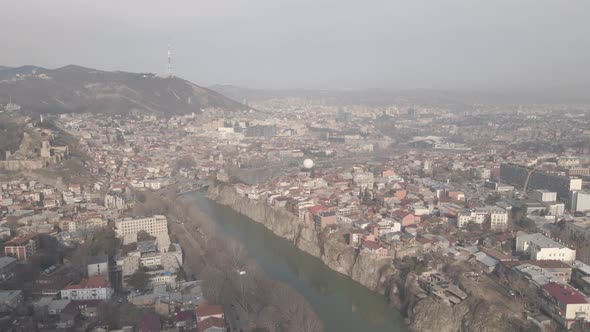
pixel 498 45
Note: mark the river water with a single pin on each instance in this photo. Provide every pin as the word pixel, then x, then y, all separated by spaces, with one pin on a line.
pixel 342 304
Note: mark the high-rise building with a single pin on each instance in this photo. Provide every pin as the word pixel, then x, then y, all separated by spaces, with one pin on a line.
pixel 580 201
pixel 517 175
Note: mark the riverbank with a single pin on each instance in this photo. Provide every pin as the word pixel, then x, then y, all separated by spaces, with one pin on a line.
pixel 378 275
pixel 229 276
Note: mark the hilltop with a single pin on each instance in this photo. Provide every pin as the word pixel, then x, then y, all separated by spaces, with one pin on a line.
pixel 79 89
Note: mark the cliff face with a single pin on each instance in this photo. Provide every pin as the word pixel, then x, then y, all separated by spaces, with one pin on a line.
pixel 375 274
pixel 330 248
pixel 469 315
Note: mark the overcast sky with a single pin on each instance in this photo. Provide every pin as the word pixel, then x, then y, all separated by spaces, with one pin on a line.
pixel 440 44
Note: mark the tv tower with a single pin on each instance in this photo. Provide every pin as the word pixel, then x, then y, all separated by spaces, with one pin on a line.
pixel 169 66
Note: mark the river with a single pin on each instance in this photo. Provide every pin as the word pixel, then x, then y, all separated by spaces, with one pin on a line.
pixel 342 304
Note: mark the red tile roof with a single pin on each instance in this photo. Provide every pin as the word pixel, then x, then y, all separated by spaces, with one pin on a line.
pixel 206 310
pixel 21 240
pixel 211 322
pixel 400 213
pixel 314 210
pixel 182 316
pixel 371 245
pixel 564 293
pixel 149 322
pixel 98 281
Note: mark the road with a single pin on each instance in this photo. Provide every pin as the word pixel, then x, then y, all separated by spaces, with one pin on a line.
pixel 189 243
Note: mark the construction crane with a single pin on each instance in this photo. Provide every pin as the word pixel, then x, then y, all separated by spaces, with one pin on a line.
pixel 526 182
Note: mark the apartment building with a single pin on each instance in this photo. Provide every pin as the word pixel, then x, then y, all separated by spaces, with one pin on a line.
pixel 564 304
pixel 580 201
pixel 23 247
pixel 540 247
pixel 153 225
pixel 497 217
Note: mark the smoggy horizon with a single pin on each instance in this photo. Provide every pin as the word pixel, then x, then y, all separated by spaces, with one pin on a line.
pixel 333 45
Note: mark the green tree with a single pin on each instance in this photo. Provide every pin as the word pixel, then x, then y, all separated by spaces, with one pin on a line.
pixel 139 280
pixel 144 236
pixel 104 241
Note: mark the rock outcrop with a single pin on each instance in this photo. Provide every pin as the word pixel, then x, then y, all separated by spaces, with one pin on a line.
pixel 376 274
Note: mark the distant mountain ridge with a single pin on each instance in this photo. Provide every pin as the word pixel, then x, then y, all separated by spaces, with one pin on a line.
pixel 78 89
pixel 385 97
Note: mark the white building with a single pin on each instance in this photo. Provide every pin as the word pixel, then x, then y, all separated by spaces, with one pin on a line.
pixel 580 201
pixel 98 265
pixel 363 180
pixel 114 202
pixel 93 288
pixel 68 197
pixel 542 195
pixel 128 228
pixel 555 208
pixel 568 161
pixel 148 255
pixel 540 247
pixel 162 278
pixel 386 226
pixel 497 217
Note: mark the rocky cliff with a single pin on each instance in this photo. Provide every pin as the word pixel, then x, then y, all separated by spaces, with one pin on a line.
pixel 376 274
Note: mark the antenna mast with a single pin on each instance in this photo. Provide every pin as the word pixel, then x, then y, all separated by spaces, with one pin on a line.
pixel 169 67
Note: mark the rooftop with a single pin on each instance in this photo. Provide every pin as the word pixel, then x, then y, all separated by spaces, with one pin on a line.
pixel 564 293
pixel 541 240
pixel 21 240
pixel 4 261
pixel 211 322
pixel 205 310
pixel 98 281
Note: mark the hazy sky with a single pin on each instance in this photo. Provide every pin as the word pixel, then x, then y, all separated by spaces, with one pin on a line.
pixel 448 44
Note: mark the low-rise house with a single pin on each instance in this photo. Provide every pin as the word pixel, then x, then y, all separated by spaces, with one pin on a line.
pixel 4 232
pixel 10 300
pixel 374 249
pixel 94 288
pixel 488 263
pixel 57 306
pixel 324 219
pixel 385 226
pixel 354 237
pixel 149 322
pixel 211 324
pixel 564 304
pixel 541 272
pixel 68 315
pixel 51 281
pixel 7 265
pixel 184 319
pixel 205 311
pixel 406 218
